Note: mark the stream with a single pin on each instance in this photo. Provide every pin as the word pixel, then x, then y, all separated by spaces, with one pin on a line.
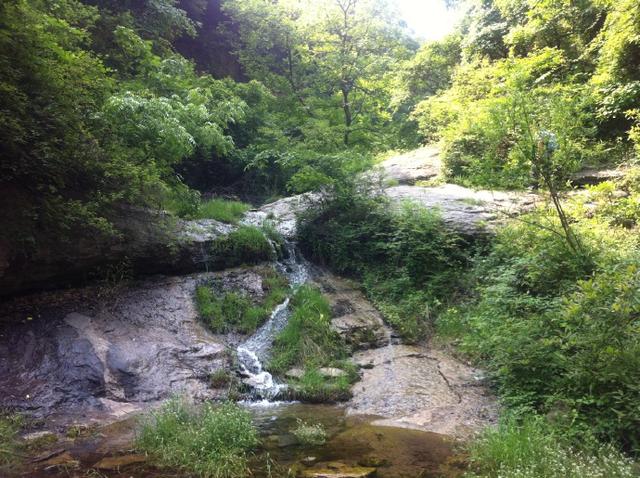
pixel 253 351
pixel 73 359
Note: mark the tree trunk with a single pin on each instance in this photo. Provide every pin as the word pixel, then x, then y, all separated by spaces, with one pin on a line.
pixel 348 118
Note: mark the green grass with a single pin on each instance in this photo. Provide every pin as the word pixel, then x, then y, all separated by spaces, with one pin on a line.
pixel 533 449
pixel 245 245
pixel 10 445
pixel 222 210
pixel 187 203
pixel 234 311
pixel 211 441
pixel 309 342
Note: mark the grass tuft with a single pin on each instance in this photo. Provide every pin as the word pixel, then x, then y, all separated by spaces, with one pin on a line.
pixel 222 210
pixel 245 245
pixel 309 342
pixel 212 441
pixel 9 442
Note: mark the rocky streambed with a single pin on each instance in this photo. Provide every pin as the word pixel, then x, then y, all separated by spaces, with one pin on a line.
pixel 83 363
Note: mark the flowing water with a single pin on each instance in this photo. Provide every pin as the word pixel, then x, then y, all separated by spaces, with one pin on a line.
pixel 255 350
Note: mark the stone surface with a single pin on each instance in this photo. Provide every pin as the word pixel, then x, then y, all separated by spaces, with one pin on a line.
pixel 466 210
pixel 64 459
pixel 338 470
pixel 331 372
pixel 117 462
pixel 423 388
pixel 294 373
pixel 421 164
pixel 592 176
pixel 88 356
pixel 353 316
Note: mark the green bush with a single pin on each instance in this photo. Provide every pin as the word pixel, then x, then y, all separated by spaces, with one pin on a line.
pixel 533 449
pixel 559 334
pixel 409 261
pixel 211 441
pixel 245 245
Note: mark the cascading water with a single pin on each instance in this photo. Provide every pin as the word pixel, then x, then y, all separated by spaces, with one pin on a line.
pixel 255 349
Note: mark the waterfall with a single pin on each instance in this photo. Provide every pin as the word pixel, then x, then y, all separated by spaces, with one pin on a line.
pixel 255 349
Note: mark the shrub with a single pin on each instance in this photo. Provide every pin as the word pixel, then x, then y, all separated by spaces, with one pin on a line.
pixel 212 441
pixel 533 449
pixel 308 434
pixel 245 245
pixel 557 334
pixel 409 261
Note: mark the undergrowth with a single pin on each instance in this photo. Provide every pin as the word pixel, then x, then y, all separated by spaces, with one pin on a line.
pixel 309 342
pixel 229 311
pixel 531 448
pixel 409 263
pixel 210 441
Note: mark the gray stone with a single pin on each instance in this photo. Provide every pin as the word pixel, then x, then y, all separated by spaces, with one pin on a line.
pixel 332 372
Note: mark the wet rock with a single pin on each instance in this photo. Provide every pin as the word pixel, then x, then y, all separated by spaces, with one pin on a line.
pixel 373 461
pixel 338 470
pixel 117 462
pixel 62 460
pixel 331 372
pixel 39 438
pixel 309 460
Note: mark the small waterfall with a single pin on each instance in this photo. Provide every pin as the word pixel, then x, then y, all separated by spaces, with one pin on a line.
pixel 255 349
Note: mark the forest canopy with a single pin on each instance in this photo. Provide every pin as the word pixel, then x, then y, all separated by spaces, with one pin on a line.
pixel 151 102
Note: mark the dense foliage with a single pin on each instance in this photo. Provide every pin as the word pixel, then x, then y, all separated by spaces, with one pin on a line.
pixel 408 261
pixel 558 334
pixel 520 69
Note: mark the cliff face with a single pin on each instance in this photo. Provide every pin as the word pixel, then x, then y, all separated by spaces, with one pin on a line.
pixel 148 243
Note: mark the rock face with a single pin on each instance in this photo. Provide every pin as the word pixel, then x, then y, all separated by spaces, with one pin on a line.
pixel 422 388
pixel 466 210
pixel 150 243
pixel 354 318
pixel 107 356
pixel 421 164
